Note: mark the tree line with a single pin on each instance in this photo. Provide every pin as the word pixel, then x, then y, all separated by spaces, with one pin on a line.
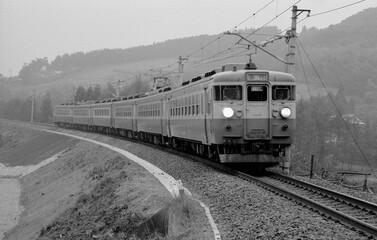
pixel 334 134
pixel 321 129
pixel 98 93
pixel 21 109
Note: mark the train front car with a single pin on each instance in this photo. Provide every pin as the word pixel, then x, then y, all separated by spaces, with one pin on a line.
pixel 254 116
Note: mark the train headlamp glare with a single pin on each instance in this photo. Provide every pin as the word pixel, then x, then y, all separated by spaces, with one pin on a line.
pixel 285 112
pixel 228 112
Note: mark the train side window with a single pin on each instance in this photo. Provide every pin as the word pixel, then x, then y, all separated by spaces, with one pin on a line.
pixel 226 93
pixel 283 92
pixel 257 93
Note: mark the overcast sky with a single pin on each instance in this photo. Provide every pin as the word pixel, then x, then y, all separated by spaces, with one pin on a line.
pixel 32 29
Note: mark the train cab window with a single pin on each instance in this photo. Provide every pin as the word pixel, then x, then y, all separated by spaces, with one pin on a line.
pixel 257 93
pixel 283 93
pixel 226 93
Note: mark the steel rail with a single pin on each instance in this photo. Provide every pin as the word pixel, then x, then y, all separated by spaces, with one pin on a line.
pixel 333 213
pixel 350 199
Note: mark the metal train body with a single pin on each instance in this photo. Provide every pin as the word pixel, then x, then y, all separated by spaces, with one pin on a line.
pixel 234 115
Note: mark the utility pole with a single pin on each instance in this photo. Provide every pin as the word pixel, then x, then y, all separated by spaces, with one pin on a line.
pixel 180 67
pixel 291 39
pixel 117 90
pixel 290 61
pixel 32 106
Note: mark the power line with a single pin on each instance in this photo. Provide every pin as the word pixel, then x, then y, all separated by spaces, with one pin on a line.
pixel 218 59
pixel 278 15
pixel 198 50
pixel 337 110
pixel 335 9
pixel 273 19
pixel 218 37
pixel 222 34
pixel 252 15
pixel 310 94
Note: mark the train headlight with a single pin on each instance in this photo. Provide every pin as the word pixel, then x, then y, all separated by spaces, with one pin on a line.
pixel 228 112
pixel 285 112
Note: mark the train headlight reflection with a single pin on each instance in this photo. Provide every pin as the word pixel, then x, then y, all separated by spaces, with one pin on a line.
pixel 285 112
pixel 228 112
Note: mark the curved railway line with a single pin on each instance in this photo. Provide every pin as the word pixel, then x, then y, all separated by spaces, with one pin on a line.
pixel 358 214
pixel 355 213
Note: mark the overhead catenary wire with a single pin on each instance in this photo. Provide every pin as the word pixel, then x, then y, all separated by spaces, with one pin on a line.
pixel 335 9
pixel 278 15
pixel 219 36
pixel 307 84
pixel 222 34
pixel 337 110
pixel 218 59
pixel 253 15
pixel 254 32
pixel 229 49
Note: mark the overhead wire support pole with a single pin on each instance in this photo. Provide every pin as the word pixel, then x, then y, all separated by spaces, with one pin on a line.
pixel 118 88
pixel 291 39
pixel 180 67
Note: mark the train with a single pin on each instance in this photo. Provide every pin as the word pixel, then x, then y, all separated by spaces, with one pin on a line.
pixel 236 114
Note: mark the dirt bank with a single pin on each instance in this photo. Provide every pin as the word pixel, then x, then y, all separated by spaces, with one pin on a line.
pixel 25 146
pixel 93 192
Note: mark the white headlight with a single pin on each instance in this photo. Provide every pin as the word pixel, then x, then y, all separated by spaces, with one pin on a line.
pixel 285 112
pixel 228 112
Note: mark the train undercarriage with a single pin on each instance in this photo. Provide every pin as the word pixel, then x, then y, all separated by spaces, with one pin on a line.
pixel 254 153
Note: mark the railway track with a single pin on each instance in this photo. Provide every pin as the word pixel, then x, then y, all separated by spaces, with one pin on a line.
pixel 358 214
pixel 355 213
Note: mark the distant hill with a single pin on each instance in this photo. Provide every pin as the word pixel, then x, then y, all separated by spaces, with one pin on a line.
pixel 342 53
pixel 346 52
pixel 40 70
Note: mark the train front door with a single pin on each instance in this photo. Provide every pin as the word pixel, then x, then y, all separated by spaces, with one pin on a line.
pixel 257 119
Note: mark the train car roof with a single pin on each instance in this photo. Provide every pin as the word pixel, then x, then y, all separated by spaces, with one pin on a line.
pixel 240 76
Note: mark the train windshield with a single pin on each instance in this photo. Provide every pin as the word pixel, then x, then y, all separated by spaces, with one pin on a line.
pixel 257 93
pixel 226 93
pixel 283 93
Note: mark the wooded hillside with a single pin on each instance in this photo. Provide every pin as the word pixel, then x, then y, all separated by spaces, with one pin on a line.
pixel 344 56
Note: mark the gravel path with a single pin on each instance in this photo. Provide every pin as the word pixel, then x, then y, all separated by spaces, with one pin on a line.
pixel 241 210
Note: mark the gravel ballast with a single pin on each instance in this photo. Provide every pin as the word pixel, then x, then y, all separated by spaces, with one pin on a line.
pixel 240 209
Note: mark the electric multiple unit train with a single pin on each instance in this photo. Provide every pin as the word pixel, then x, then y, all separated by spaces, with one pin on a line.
pixel 235 114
